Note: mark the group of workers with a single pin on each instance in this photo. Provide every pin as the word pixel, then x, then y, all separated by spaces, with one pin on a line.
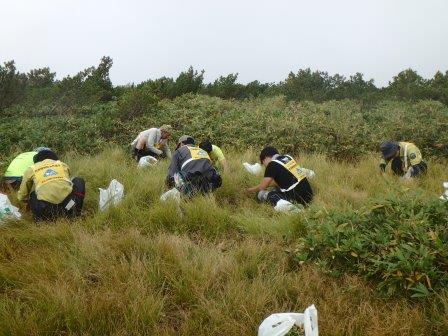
pixel 44 181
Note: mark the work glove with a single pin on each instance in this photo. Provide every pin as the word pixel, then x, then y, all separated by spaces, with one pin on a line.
pixel 157 151
pixel 408 174
pixel 383 167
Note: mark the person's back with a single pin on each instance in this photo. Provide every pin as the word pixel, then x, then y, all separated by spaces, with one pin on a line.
pixel 14 173
pixel 193 165
pixel 48 189
pixel 286 176
pixel 215 153
pixel 49 179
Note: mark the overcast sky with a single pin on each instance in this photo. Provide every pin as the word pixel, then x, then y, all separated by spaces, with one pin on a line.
pixel 262 40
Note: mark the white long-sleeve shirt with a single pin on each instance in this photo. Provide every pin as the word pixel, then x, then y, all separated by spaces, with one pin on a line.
pixel 153 141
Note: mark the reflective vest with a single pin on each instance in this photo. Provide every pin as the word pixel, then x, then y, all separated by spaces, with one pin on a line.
pixel 293 167
pixel 196 154
pixel 48 172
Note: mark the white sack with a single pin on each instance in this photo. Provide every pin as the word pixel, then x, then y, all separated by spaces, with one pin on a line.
pixel 146 161
pixel 172 194
pixel 112 195
pixel 444 196
pixel 254 169
pixel 7 210
pixel 280 324
pixel 286 206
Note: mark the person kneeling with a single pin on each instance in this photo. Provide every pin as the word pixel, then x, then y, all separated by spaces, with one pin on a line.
pixel 47 188
pixel 191 170
pixel 284 173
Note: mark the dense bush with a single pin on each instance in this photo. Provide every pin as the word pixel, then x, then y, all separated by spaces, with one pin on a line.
pixel 399 242
pixel 343 130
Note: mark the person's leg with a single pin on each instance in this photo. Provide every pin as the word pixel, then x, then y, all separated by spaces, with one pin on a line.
pixel 78 194
pixel 272 197
pixel 397 166
pixel 41 210
pixel 139 153
pixel 419 169
pixel 302 193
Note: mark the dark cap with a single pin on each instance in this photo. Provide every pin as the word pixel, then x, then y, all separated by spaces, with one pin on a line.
pixel 389 148
pixel 185 140
pixel 44 155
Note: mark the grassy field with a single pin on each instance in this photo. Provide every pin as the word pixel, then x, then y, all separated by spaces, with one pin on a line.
pixel 218 266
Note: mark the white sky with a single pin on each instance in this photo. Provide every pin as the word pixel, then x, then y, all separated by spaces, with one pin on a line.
pixel 262 40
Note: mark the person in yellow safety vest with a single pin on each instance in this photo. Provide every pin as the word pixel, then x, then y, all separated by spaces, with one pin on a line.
pixel 191 171
pixel 48 189
pixel 153 141
pixel 406 159
pixel 284 173
pixel 215 153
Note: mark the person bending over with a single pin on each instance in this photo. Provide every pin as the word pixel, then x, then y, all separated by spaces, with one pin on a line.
pixel 48 189
pixel 191 170
pixel 286 176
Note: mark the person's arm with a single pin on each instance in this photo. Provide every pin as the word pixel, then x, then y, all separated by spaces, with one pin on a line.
pixel 152 139
pixel 224 165
pixel 26 185
pixel 383 164
pixel 220 156
pixel 265 182
pixel 166 150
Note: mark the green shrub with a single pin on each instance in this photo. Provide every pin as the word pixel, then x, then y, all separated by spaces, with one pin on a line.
pixel 399 242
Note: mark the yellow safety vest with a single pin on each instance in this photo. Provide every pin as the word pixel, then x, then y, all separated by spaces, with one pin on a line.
pixel 196 154
pixel 48 172
pixel 293 167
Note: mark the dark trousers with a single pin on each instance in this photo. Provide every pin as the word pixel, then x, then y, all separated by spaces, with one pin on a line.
pixel 201 184
pixel 397 167
pixel 302 194
pixel 139 153
pixel 70 207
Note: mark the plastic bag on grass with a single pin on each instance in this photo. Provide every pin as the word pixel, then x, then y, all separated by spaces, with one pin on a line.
pixel 172 194
pixel 280 324
pixel 112 195
pixel 254 169
pixel 146 161
pixel 7 210
pixel 444 196
pixel 309 173
pixel 286 206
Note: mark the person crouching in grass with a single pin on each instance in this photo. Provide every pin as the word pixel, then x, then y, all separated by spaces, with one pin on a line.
pixel 48 189
pixel 286 176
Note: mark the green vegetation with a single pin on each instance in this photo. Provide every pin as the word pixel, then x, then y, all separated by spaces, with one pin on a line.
pixel 369 252
pixel 223 263
pixel 339 129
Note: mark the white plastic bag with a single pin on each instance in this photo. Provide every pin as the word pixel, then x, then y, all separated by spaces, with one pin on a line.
pixel 146 161
pixel 280 324
pixel 172 194
pixel 7 210
pixel 285 206
pixel 112 195
pixel 444 196
pixel 254 169
pixel 309 173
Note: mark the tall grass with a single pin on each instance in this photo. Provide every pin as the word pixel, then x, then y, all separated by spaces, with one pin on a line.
pixel 217 265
